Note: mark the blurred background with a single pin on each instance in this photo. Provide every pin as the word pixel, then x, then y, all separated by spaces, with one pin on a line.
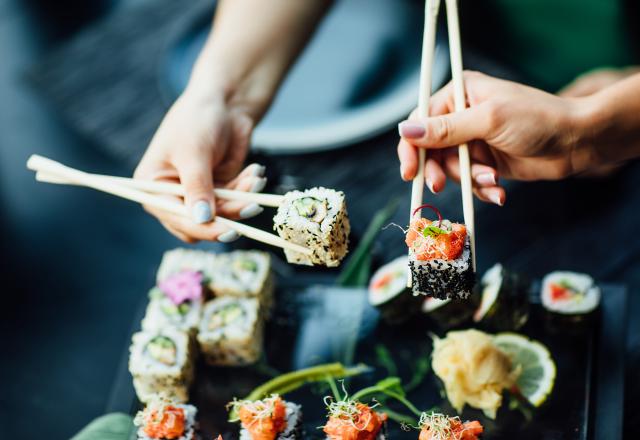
pixel 87 82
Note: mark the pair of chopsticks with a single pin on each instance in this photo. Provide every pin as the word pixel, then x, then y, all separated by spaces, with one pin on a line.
pixel 426 67
pixel 150 192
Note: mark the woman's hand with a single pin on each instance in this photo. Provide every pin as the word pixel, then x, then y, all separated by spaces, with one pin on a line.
pixel 596 80
pixel 199 142
pixel 513 131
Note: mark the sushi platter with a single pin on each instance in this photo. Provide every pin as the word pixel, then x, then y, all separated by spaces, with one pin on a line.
pixel 310 322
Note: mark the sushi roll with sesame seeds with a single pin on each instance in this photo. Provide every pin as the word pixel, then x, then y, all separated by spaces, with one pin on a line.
pixel 569 296
pixel 439 258
pixel 271 417
pixel 164 418
pixel 231 331
pixel 388 292
pixel 162 362
pixel 504 304
pixel 316 219
pixel 187 260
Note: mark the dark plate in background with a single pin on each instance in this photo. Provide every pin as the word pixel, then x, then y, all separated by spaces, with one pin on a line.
pixel 324 324
pixel 357 78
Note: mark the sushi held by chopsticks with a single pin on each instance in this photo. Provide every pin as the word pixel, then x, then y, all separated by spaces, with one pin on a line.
pixel 439 257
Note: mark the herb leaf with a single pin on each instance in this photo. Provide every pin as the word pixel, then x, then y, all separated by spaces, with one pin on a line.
pixel 433 231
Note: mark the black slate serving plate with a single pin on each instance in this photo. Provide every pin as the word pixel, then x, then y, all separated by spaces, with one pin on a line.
pixel 324 324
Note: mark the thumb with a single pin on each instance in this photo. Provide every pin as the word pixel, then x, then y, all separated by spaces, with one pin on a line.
pixel 449 129
pixel 196 177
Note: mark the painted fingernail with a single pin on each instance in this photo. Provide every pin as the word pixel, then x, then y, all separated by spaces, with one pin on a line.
pixel 201 212
pixel 430 186
pixel 486 179
pixel 228 237
pixel 495 198
pixel 251 211
pixel 258 185
pixel 411 130
pixel 258 170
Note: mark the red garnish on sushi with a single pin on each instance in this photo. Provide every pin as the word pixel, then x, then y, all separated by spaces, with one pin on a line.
pixel 359 423
pixel 168 423
pixel 264 419
pixel 429 242
pixel 559 292
pixel 441 427
pixel 433 208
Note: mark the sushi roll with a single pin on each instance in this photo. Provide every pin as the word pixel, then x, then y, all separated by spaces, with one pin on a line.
pixel 162 362
pixel 505 300
pixel 317 219
pixel 176 302
pixel 350 419
pixel 388 292
pixel 269 418
pixel 447 313
pixel 231 331
pixel 245 274
pixel 440 258
pixel 164 419
pixel 570 295
pixel 191 260
pixel 435 426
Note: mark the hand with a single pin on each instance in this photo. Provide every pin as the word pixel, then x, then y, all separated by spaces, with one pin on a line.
pixel 512 130
pixel 595 80
pixel 198 142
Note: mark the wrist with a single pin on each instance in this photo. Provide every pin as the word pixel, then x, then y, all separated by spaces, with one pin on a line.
pixel 587 123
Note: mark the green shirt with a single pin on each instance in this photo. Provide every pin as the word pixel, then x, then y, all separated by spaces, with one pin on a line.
pixel 550 42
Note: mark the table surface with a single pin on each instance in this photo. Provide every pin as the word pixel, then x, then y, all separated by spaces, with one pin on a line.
pixel 76 264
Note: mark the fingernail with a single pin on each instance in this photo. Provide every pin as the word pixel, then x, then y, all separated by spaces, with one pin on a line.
pixel 228 237
pixel 201 212
pixel 486 179
pixel 258 170
pixel 251 211
pixel 495 198
pixel 411 130
pixel 430 185
pixel 258 185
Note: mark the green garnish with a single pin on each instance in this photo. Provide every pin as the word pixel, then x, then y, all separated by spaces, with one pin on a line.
pixel 247 264
pixel 433 231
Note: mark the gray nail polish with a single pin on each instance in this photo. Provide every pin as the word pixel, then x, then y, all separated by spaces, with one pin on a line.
pixel 258 170
pixel 259 185
pixel 201 212
pixel 228 237
pixel 251 211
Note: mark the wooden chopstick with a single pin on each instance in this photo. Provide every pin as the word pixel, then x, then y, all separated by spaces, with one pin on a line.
pixel 455 51
pixel 167 188
pixel 77 177
pixel 173 189
pixel 431 9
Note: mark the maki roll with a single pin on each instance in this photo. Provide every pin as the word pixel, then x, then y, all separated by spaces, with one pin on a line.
pixel 389 293
pixel 446 313
pixel 439 258
pixel 571 295
pixel 350 419
pixel 167 420
pixel 317 219
pixel 231 330
pixel 176 302
pixel 162 362
pixel 191 260
pixel 271 418
pixel 505 300
pixel 245 274
pixel 435 426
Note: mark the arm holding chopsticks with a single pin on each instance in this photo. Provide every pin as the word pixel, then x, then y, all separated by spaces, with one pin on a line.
pixel 204 138
pixel 519 132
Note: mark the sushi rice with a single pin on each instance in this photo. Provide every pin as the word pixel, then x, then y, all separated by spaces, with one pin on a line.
pixel 231 331
pixel 317 219
pixel 162 362
pixel 570 293
pixel 162 312
pixel 181 259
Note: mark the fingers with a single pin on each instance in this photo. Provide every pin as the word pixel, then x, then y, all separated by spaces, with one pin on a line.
pixel 449 129
pixel 408 156
pixel 196 177
pixel 188 231
pixel 434 176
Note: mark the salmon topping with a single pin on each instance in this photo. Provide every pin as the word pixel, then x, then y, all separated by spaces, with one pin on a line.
pixel 165 424
pixel 264 419
pixel 364 425
pixel 441 427
pixel 428 240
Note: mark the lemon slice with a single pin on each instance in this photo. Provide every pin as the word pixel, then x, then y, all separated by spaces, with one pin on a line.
pixel 538 369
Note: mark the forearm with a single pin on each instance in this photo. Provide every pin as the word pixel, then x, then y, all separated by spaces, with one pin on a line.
pixel 244 61
pixel 610 123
